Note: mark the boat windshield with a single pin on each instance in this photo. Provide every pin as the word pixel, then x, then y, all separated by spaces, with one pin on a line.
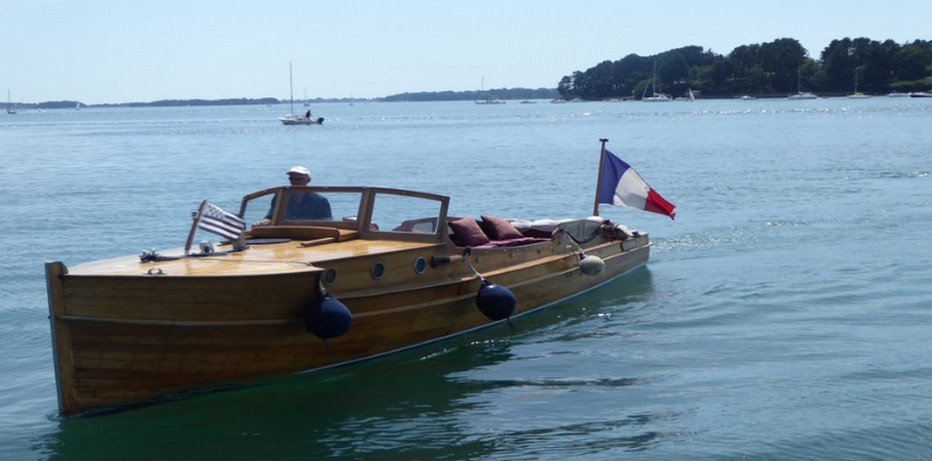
pixel 368 210
pixel 304 206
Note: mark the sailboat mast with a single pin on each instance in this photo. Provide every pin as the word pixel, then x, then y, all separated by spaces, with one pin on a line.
pixel 652 86
pixel 290 88
pixel 653 81
pixel 799 78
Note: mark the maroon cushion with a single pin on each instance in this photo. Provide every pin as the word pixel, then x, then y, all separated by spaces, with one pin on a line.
pixel 466 232
pixel 499 229
pixel 514 242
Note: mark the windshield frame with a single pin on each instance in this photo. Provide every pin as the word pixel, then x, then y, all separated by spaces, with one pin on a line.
pixel 431 227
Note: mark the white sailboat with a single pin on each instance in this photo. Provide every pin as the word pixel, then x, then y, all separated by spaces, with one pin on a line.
pixel 654 96
pixel 482 98
pixel 802 95
pixel 799 93
pixel 297 119
pixel 857 94
pixel 9 103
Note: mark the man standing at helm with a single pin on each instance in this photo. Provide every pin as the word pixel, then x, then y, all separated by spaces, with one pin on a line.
pixel 301 205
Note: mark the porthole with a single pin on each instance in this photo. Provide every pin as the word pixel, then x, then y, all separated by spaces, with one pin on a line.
pixel 420 265
pixel 377 271
pixel 330 276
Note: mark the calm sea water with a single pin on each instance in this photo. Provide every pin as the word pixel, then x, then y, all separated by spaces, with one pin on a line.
pixel 785 314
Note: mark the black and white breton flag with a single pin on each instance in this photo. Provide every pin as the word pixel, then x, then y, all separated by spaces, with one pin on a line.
pixel 222 223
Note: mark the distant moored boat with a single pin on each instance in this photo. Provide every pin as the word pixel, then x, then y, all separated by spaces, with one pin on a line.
pixel 297 119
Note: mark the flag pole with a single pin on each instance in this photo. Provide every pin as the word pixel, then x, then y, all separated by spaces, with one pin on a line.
pixel 197 221
pixel 598 183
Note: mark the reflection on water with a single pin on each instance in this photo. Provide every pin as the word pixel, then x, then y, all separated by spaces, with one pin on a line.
pixel 363 408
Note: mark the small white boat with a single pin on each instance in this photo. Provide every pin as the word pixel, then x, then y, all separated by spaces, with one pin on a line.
pixel 299 120
pixel 660 97
pixel 689 95
pixel 654 97
pixel 920 94
pixel 857 94
pixel 294 119
pixel 9 104
pixel 484 98
pixel 802 95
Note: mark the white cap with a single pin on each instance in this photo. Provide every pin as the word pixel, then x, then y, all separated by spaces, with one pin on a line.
pixel 299 170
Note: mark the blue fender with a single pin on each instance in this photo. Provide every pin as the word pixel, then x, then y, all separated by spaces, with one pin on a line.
pixel 328 318
pixel 495 301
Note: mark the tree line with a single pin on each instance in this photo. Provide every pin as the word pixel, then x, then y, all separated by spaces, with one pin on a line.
pixel 503 93
pixel 776 68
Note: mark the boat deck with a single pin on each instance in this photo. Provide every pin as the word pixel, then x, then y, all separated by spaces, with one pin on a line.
pixel 274 258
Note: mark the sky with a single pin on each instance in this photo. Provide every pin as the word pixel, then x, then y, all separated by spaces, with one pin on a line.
pixel 113 51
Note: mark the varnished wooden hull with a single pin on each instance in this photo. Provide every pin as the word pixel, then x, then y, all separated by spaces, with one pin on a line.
pixel 125 340
pixel 126 332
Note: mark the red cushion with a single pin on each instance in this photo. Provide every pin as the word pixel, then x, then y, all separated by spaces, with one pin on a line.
pixel 466 232
pixel 499 229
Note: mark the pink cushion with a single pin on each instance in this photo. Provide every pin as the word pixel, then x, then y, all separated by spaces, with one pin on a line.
pixel 499 229
pixel 466 232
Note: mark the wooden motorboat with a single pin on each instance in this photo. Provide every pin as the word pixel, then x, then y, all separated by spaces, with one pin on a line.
pixel 388 270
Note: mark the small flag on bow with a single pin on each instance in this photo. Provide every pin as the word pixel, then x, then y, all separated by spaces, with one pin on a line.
pixel 225 224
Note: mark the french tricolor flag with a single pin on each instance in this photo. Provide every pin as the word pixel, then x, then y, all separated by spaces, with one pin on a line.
pixel 620 185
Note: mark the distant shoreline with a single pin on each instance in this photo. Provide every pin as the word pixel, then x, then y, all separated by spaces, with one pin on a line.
pixel 504 94
pixel 405 97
